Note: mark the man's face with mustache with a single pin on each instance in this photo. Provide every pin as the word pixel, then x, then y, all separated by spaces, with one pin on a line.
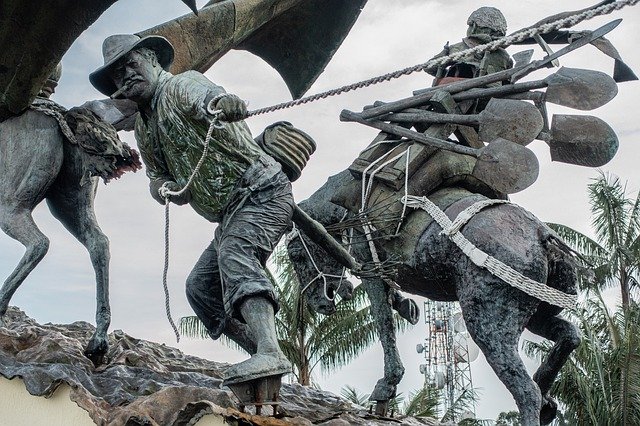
pixel 139 72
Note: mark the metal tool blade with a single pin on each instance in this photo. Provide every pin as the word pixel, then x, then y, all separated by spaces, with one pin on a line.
pixel 583 140
pixel 506 166
pixel 580 89
pixel 517 121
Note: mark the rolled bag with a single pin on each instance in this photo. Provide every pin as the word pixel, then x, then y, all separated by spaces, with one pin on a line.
pixel 443 169
pixel 288 145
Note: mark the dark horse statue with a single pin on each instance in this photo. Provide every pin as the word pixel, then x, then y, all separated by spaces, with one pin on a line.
pixel 429 264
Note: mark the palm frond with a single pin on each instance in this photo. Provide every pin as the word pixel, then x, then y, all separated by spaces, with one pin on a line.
pixel 422 403
pixel 352 395
pixel 579 242
pixel 610 209
pixel 192 327
pixel 464 402
pixel 633 229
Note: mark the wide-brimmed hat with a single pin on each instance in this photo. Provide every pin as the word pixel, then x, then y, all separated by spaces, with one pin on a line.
pixel 117 46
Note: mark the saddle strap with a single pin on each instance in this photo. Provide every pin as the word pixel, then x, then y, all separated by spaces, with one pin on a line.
pixel 480 258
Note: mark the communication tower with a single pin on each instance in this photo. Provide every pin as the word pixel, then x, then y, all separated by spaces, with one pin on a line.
pixel 448 351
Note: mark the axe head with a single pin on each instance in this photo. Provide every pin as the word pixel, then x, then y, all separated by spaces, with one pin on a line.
pixel 622 72
pixel 300 43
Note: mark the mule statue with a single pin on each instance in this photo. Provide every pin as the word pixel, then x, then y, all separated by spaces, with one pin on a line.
pixel 432 266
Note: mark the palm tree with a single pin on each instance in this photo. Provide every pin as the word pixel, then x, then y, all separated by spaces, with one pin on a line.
pixel 308 339
pixel 421 403
pixel 615 252
pixel 600 384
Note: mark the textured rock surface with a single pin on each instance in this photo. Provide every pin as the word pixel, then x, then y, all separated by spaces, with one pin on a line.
pixel 145 383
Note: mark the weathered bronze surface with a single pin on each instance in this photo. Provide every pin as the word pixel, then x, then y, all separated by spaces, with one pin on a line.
pixel 517 121
pixel 571 87
pixel 583 140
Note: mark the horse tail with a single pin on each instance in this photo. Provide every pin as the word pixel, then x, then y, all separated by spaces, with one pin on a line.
pixel 563 264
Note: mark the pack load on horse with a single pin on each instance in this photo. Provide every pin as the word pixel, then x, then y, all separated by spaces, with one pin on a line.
pixel 425 208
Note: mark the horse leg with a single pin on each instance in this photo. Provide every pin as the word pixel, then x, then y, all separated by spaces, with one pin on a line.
pixel 380 294
pixel 566 338
pixel 72 204
pixel 30 159
pixel 19 225
pixel 497 336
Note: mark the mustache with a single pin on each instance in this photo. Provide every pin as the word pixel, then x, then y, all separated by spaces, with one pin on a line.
pixel 131 80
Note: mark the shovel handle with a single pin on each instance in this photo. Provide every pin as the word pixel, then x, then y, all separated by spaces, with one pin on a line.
pixel 347 115
pixel 316 232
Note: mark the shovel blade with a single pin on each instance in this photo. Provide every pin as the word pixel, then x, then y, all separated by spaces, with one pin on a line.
pixel 580 89
pixel 509 119
pixel 583 140
pixel 506 166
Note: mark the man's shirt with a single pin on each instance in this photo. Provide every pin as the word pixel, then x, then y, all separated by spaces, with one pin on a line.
pixel 171 142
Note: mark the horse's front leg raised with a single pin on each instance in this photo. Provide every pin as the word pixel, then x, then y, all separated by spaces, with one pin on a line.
pixel 382 312
pixel 72 204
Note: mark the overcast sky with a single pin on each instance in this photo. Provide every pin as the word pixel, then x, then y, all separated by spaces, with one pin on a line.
pixel 389 35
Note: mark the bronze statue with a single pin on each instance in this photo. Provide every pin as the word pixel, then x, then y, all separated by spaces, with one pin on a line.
pixel 49 152
pixel 238 186
pixel 484 25
pixel 463 224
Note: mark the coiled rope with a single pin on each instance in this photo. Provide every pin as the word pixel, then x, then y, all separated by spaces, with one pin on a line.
pixel 505 41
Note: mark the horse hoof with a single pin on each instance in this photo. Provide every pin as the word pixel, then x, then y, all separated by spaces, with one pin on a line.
pixel 96 351
pixel 409 310
pixel 548 411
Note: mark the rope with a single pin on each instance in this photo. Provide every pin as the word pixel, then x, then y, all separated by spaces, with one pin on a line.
pixel 497 268
pixel 166 193
pixel 321 275
pixel 506 41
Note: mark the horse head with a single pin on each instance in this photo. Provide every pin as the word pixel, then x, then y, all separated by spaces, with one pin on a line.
pixel 321 277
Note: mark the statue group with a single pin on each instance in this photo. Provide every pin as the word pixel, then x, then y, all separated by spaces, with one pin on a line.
pixel 425 205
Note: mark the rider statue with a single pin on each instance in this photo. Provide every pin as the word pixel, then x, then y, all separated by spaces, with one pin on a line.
pixel 485 25
pixel 238 186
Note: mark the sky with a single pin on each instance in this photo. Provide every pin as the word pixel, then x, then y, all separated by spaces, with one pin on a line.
pixel 389 35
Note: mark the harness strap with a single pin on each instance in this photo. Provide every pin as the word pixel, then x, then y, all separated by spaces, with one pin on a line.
pixel 480 258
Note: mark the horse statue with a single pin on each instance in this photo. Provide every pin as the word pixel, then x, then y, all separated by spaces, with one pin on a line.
pixel 430 216
pixel 432 266
pixel 50 153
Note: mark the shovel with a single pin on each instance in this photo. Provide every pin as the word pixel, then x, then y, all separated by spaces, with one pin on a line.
pixel 517 121
pixel 505 166
pixel 571 87
pixel 583 140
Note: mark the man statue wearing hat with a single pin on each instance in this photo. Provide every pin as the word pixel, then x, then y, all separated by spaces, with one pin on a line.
pixel 238 186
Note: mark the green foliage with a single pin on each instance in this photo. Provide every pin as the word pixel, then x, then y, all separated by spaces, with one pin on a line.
pixel 463 403
pixel 422 403
pixel 352 395
pixel 508 418
pixel 614 255
pixel 600 384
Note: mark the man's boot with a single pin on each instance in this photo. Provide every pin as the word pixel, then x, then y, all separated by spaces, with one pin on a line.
pixel 268 360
